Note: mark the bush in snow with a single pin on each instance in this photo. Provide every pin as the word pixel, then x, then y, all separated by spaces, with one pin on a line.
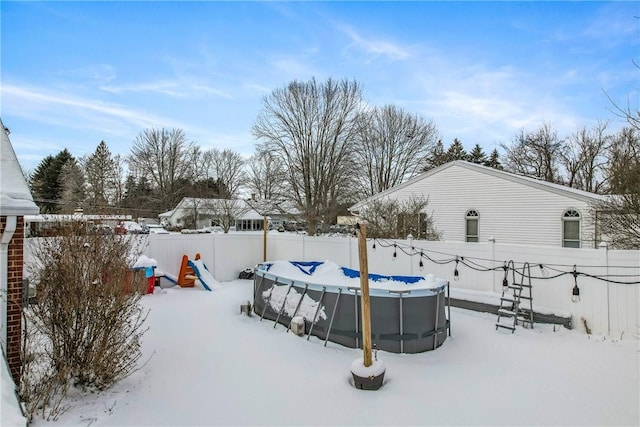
pixel 86 326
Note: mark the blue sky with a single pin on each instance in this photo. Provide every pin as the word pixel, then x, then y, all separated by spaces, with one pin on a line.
pixel 76 73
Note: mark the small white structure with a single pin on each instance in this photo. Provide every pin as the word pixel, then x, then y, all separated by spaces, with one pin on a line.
pixel 471 202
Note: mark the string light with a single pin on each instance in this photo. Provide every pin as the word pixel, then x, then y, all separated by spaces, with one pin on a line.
pixel 575 293
pixel 505 282
pixel 421 264
pixel 547 272
pixel 543 271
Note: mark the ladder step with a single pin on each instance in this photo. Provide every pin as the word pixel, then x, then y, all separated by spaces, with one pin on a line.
pixel 517 287
pixel 507 299
pixel 511 328
pixel 505 312
pixel 524 297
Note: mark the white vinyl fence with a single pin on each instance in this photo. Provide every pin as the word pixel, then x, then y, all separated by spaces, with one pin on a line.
pixel 605 306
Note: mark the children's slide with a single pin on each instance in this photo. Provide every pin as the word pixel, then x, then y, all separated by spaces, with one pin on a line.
pixel 203 274
pixel 195 269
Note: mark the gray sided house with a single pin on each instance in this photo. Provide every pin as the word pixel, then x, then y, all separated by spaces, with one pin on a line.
pixel 470 202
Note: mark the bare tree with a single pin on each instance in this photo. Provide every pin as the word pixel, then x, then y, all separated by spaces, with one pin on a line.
pixel 585 158
pixel 391 147
pixel 618 218
pixel 394 219
pixel 535 154
pixel 266 176
pixel 225 212
pixel 228 168
pixel 310 127
pixel 165 157
pixel 623 167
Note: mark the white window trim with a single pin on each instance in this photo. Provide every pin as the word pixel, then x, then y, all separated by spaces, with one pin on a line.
pixel 574 216
pixel 472 214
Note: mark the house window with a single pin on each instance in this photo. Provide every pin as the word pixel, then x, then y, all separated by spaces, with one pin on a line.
pixel 472 220
pixel 571 229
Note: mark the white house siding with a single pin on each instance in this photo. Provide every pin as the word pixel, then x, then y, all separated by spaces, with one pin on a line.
pixel 510 211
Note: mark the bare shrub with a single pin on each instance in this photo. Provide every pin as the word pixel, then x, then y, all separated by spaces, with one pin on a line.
pixel 86 326
pixel 394 219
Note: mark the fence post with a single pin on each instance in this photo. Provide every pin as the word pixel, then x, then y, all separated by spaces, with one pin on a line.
pixel 605 246
pixel 492 240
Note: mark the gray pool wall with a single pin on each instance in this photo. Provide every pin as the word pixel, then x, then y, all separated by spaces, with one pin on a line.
pixel 423 325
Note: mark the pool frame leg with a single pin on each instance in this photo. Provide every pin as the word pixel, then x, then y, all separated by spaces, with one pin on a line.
pixel 284 303
pixel 435 335
pixel 268 300
pixel 401 293
pixel 315 316
pixel 298 306
pixel 448 310
pixel 335 306
pixel 256 289
pixel 357 313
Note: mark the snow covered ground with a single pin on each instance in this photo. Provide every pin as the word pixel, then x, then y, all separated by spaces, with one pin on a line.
pixel 210 365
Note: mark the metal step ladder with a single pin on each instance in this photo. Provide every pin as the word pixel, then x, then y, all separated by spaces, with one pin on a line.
pixel 513 302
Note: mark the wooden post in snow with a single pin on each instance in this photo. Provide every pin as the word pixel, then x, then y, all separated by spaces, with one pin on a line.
pixel 364 291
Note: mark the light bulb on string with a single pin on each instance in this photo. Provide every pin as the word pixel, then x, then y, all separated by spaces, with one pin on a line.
pixel 395 253
pixel 374 244
pixel 575 292
pixel 456 275
pixel 505 282
pixel 421 264
pixel 543 271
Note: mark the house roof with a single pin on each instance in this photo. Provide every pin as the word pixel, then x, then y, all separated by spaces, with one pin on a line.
pixel 15 196
pixel 259 207
pixel 525 180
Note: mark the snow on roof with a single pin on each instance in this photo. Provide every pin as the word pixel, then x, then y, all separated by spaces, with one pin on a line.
pixel 15 197
pixel 252 214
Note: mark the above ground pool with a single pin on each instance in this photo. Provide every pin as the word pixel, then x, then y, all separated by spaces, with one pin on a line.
pixel 409 314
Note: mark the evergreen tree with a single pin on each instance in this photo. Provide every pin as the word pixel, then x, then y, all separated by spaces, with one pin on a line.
pixel 100 169
pixel 494 160
pixel 72 187
pixel 477 155
pixel 140 198
pixel 438 157
pixel 456 151
pixel 46 183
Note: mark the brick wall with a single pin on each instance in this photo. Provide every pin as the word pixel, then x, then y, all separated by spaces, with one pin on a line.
pixel 14 297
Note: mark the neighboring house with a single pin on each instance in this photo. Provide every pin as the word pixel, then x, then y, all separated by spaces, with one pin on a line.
pixel 470 202
pixel 203 213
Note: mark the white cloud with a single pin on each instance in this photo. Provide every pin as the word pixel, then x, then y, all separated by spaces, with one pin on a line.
pixel 180 88
pixel 26 101
pixel 102 73
pixel 375 47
